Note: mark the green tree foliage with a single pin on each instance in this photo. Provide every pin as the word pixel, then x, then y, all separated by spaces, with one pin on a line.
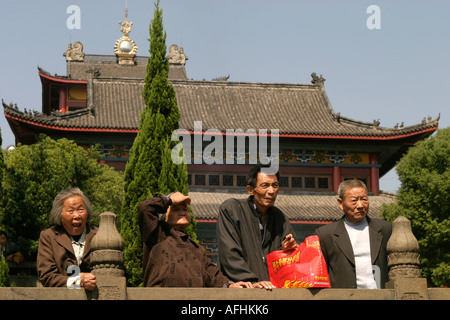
pixel 35 174
pixel 424 199
pixel 4 269
pixel 150 171
pixel 2 158
pixel 2 167
pixel 4 273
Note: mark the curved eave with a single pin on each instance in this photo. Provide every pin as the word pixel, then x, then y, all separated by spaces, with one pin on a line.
pixel 429 130
pixel 73 129
pixel 59 80
pixel 414 131
pixel 281 135
pixel 361 137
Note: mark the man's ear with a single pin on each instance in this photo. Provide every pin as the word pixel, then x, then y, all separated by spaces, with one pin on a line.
pixel 250 190
pixel 339 200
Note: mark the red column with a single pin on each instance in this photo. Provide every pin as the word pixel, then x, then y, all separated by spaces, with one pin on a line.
pixel 374 174
pixel 62 99
pixel 336 178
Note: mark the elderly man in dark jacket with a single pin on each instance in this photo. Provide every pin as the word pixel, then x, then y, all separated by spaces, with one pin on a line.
pixel 249 229
pixel 170 257
pixel 355 243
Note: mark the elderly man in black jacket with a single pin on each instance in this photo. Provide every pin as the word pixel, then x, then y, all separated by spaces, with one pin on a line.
pixel 249 229
pixel 355 243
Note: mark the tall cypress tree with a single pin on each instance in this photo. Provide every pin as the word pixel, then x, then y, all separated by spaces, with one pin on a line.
pixel 2 162
pixel 150 171
pixel 2 169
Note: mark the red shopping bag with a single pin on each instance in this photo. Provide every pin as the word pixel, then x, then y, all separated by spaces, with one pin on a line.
pixel 303 267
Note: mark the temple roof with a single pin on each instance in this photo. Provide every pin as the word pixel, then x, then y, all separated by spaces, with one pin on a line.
pixel 117 105
pixel 298 207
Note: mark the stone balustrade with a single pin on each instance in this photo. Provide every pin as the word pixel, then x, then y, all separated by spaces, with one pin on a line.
pixel 108 266
pixel 108 261
pixel 403 263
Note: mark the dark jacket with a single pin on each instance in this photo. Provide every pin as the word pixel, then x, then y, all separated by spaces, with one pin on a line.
pixel 338 252
pixel 9 249
pixel 170 257
pixel 242 252
pixel 55 255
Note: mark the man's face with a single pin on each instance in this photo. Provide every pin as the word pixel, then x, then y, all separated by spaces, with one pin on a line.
pixel 178 216
pixel 355 204
pixel 74 215
pixel 266 190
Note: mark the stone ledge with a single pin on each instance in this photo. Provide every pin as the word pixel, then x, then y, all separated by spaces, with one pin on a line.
pixel 22 293
pixel 439 293
pixel 257 294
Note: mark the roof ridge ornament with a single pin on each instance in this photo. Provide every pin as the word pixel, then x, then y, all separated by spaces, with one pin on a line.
pixel 376 124
pixel 125 48
pixel 317 79
pixel 177 56
pixel 75 52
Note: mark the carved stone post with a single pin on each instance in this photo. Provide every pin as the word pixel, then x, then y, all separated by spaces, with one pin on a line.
pixel 403 262
pixel 107 259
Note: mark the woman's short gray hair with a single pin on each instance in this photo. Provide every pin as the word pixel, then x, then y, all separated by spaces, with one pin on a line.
pixel 56 212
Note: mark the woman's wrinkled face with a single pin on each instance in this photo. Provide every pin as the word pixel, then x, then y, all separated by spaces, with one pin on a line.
pixel 178 216
pixel 74 215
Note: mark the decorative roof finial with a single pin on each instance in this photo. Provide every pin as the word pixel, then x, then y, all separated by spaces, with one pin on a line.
pixel 126 26
pixel 125 48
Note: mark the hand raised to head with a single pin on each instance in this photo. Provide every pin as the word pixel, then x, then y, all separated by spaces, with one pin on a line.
pixel 178 198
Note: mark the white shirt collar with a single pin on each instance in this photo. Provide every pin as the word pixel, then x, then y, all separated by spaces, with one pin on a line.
pixel 78 246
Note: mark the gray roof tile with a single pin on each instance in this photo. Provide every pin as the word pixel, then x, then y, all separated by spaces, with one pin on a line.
pixel 292 108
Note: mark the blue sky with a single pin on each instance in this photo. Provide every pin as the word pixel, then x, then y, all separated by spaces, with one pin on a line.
pixel 399 73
